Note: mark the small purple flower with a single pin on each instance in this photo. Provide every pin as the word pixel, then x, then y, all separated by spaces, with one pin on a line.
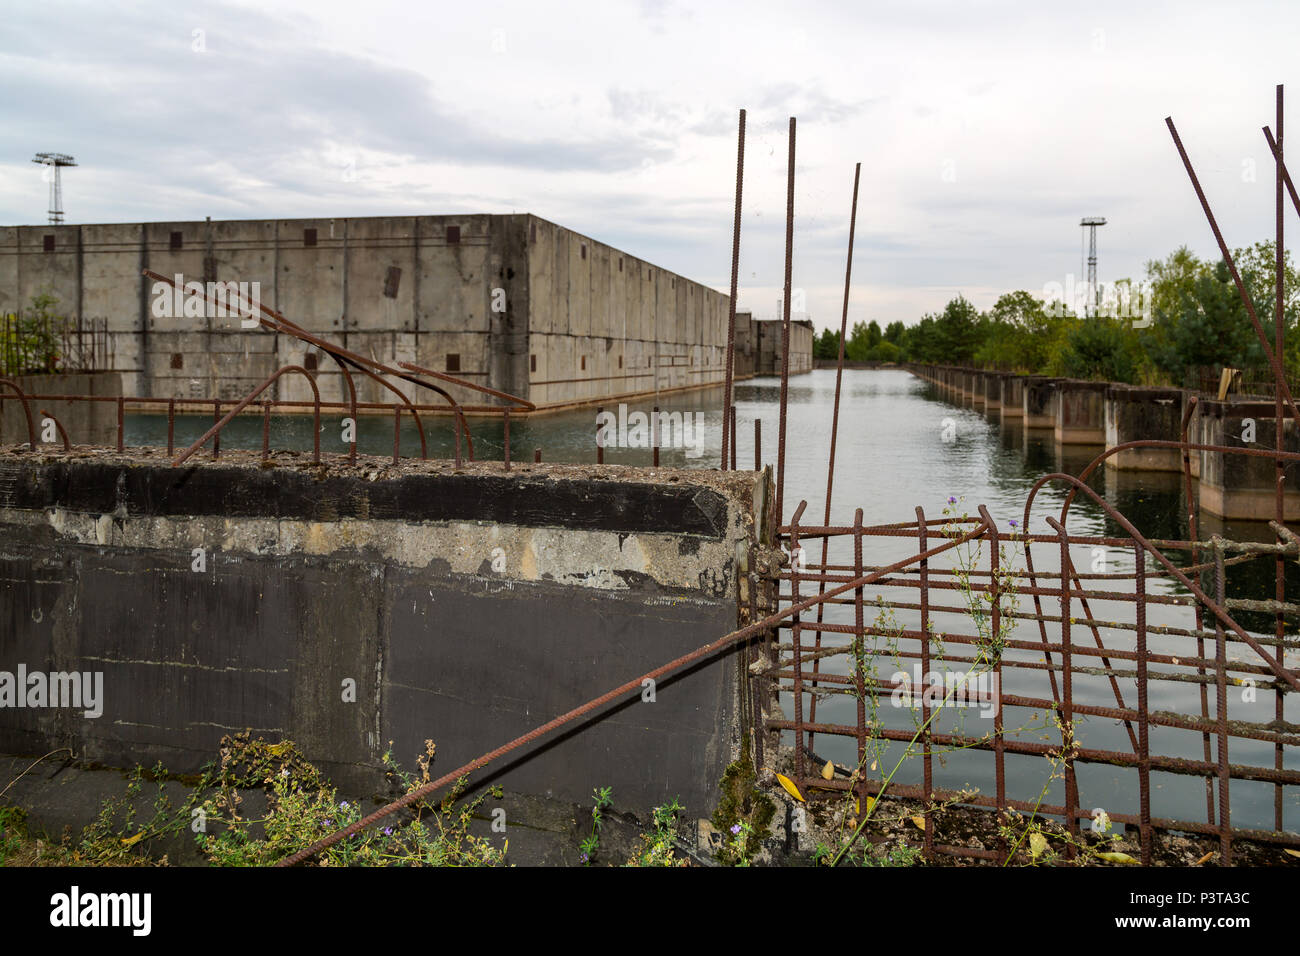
pixel 329 823
pixel 343 805
pixel 1013 523
pixel 952 500
pixel 388 831
pixel 735 830
pixel 583 858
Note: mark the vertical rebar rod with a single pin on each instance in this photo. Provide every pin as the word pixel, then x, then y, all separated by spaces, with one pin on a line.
pixel 266 431
pixel 995 643
pixel 600 444
pixel 171 426
pixel 835 423
pixel 785 331
pixel 537 456
pixel 121 422
pixel 728 435
pixel 1067 695
pixel 798 655
pixel 654 434
pixel 397 432
pixel 733 437
pixel 926 763
pixel 758 444
pixel 1279 332
pixel 1221 715
pixel 1144 742
pixel 506 420
pixel 216 439
pixel 859 650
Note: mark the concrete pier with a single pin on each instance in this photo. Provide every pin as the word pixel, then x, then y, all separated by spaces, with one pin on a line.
pixel 993 392
pixel 1080 412
pixel 1013 397
pixel 1241 486
pixel 1134 414
pixel 1039 391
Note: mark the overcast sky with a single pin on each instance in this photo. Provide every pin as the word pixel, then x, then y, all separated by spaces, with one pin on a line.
pixel 985 130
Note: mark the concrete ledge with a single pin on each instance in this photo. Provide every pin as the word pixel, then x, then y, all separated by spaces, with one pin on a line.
pixel 346 606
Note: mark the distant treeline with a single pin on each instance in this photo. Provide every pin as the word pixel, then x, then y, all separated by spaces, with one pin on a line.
pixel 1187 316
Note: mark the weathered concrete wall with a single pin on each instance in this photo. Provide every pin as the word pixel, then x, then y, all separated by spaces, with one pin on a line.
pixel 89 423
pixel 1080 412
pixel 770 341
pixel 1013 398
pixel 1134 414
pixel 576 320
pixel 1039 395
pixel 465 607
pixel 1243 486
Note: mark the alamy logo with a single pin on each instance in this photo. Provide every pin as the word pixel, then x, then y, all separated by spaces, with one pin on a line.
pixel 75 908
pixel 1116 300
pixel 80 691
pixel 639 430
pixel 947 689
pixel 212 300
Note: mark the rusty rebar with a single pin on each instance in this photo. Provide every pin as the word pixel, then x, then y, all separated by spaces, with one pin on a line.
pixel 728 433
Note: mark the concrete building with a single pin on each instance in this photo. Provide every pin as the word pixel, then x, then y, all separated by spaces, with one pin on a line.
pixel 513 302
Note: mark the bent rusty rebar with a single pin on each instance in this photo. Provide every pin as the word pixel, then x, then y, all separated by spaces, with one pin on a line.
pixel 248 400
pixel 27 409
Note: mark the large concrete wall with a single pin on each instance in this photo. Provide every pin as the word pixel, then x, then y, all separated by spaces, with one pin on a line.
pixel 581 322
pixel 468 607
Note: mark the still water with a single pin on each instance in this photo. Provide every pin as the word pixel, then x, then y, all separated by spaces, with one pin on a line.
pixel 891 457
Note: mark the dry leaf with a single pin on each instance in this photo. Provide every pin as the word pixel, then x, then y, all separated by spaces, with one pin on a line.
pixel 132 840
pixel 828 771
pixel 1037 844
pixel 788 786
pixel 1293 852
pixel 1204 858
pixel 919 821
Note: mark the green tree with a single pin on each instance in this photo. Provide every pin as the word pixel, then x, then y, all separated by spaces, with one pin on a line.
pixel 29 340
pixel 827 345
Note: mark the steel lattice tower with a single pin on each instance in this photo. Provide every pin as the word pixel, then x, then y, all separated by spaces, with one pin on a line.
pixel 55 161
pixel 1092 222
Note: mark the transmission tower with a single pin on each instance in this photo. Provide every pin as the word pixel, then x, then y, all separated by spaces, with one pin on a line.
pixel 1092 222
pixel 55 162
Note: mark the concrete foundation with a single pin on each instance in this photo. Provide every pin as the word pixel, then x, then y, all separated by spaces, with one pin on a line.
pixel 1039 393
pixel 344 607
pixel 1080 412
pixel 1134 414
pixel 1013 398
pixel 1241 486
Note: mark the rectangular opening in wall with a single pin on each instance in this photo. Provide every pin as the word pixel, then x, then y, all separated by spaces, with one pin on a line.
pixel 620 361
pixel 391 281
pixel 532 232
pixel 176 241
pixel 453 362
pixel 453 235
pixel 584 363
pixel 309 237
pixel 178 360
pixel 620 263
pixel 532 363
pixel 309 363
pixel 49 243
pixel 584 250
